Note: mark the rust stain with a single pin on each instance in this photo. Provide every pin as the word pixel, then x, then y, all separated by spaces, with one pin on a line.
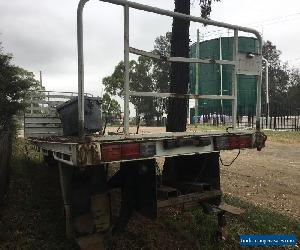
pixel 88 154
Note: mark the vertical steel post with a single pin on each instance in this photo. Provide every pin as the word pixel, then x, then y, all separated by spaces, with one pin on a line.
pixel 267 88
pixel 80 69
pixel 221 74
pixel 126 72
pixel 197 74
pixel 258 88
pixel 234 78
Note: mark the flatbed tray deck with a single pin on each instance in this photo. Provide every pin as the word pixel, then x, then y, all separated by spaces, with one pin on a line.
pixel 97 149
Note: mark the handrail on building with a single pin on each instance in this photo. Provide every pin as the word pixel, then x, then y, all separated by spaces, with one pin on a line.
pixel 128 4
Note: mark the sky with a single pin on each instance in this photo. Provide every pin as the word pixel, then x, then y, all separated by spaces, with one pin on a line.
pixel 41 35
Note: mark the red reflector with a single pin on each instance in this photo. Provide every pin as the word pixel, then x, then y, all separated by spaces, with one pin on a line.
pixel 246 141
pixel 240 142
pixel 111 153
pixel 130 151
pixel 234 142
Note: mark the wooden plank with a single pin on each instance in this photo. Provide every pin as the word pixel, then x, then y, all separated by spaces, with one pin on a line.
pixel 42 135
pixel 41 119
pixel 231 209
pixel 51 102
pixel 42 125
pixel 42 130
pixel 40 108
pixel 188 198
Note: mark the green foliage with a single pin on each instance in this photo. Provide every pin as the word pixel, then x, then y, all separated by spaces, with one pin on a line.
pixel 293 92
pixel 284 82
pixel 111 108
pixel 205 6
pixel 15 83
pixel 146 75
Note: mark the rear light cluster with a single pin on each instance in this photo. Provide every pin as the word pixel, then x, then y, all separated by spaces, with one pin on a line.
pixel 127 151
pixel 233 142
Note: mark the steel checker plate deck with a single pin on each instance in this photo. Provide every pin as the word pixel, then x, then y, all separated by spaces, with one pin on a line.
pixel 89 153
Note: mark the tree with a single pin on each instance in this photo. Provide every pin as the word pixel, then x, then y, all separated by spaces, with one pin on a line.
pixel 111 109
pixel 139 80
pixel 278 75
pixel 180 71
pixel 177 108
pixel 146 75
pixel 161 73
pixel 293 92
pixel 15 83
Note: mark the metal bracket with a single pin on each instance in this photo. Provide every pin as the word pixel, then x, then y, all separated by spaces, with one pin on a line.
pixel 249 64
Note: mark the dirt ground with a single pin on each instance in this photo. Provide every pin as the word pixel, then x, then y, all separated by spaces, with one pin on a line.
pixel 270 178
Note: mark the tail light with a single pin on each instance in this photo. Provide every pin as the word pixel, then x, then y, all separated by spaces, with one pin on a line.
pixel 130 151
pixel 127 151
pixel 111 152
pixel 233 142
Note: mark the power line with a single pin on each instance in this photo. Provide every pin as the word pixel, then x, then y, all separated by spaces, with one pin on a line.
pixel 275 19
pixel 266 22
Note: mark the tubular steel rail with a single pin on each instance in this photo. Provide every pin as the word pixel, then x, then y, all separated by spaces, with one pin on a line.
pixel 238 62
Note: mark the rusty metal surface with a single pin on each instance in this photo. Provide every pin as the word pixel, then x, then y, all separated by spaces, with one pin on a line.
pixel 73 151
pixel 88 154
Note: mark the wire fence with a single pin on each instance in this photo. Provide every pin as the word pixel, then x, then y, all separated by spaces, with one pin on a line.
pixel 278 117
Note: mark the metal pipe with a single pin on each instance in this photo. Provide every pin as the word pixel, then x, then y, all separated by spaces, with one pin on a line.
pixel 159 11
pixel 80 68
pixel 267 88
pixel 126 72
pixel 234 79
pixel 179 59
pixel 221 74
pixel 188 96
pixel 197 73
pixel 258 90
pixel 181 16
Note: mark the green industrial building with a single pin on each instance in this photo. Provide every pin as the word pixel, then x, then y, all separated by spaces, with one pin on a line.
pixel 214 79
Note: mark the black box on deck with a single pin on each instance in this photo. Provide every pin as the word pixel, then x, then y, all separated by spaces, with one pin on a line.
pixel 68 114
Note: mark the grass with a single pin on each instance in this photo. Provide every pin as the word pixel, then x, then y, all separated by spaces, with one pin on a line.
pixel 33 217
pixel 273 135
pixel 283 136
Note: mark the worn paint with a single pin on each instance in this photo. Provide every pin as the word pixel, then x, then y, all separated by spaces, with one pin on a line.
pixel 88 154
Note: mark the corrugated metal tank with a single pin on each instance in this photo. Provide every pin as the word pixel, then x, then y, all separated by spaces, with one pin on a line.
pixel 210 76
